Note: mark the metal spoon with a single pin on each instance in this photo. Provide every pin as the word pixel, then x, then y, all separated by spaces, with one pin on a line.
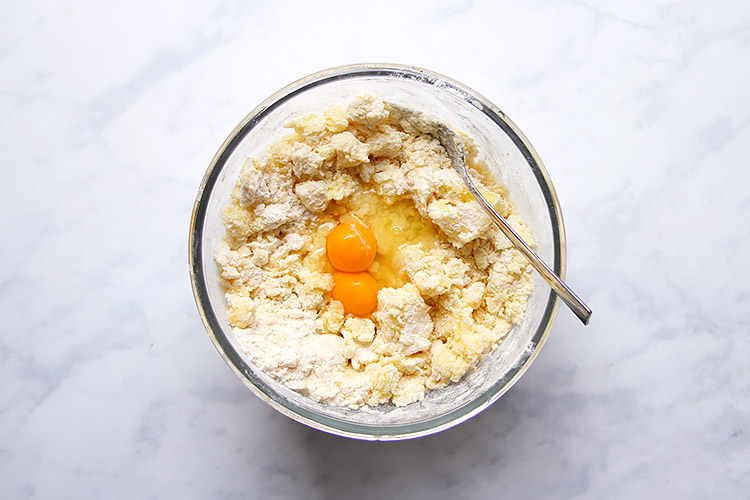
pixel 454 147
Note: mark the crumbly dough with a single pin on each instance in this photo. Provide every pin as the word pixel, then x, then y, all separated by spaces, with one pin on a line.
pixel 447 297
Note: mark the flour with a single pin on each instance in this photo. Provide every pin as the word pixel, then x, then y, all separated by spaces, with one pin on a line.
pixel 451 285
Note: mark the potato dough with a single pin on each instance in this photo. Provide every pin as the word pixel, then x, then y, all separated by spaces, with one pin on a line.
pixel 451 285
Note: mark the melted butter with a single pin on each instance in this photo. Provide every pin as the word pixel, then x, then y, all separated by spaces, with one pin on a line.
pixel 316 255
pixel 393 226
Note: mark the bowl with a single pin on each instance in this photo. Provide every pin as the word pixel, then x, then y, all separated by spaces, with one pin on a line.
pixel 511 159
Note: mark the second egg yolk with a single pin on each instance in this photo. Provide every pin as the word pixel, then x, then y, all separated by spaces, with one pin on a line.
pixel 358 292
pixel 351 246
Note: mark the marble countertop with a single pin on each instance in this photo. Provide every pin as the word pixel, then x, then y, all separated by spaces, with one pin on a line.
pixel 111 113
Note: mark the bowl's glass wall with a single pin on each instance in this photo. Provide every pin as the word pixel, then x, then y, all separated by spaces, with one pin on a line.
pixel 510 160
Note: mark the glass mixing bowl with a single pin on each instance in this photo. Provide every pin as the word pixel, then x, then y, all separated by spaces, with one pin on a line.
pixel 511 158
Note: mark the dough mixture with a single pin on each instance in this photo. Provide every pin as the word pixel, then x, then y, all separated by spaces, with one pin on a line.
pixel 449 284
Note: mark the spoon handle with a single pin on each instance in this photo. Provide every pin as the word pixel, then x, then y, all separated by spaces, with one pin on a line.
pixel 563 291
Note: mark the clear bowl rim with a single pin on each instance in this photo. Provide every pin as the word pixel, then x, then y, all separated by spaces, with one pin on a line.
pixel 234 359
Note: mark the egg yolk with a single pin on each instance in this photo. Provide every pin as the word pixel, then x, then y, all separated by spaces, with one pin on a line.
pixel 351 246
pixel 358 292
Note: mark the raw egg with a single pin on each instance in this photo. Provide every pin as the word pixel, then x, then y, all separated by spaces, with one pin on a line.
pixel 351 246
pixel 358 292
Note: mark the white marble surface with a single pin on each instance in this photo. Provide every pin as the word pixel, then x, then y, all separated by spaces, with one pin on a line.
pixel 110 113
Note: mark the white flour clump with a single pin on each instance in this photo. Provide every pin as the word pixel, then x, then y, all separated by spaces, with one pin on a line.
pixel 450 284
